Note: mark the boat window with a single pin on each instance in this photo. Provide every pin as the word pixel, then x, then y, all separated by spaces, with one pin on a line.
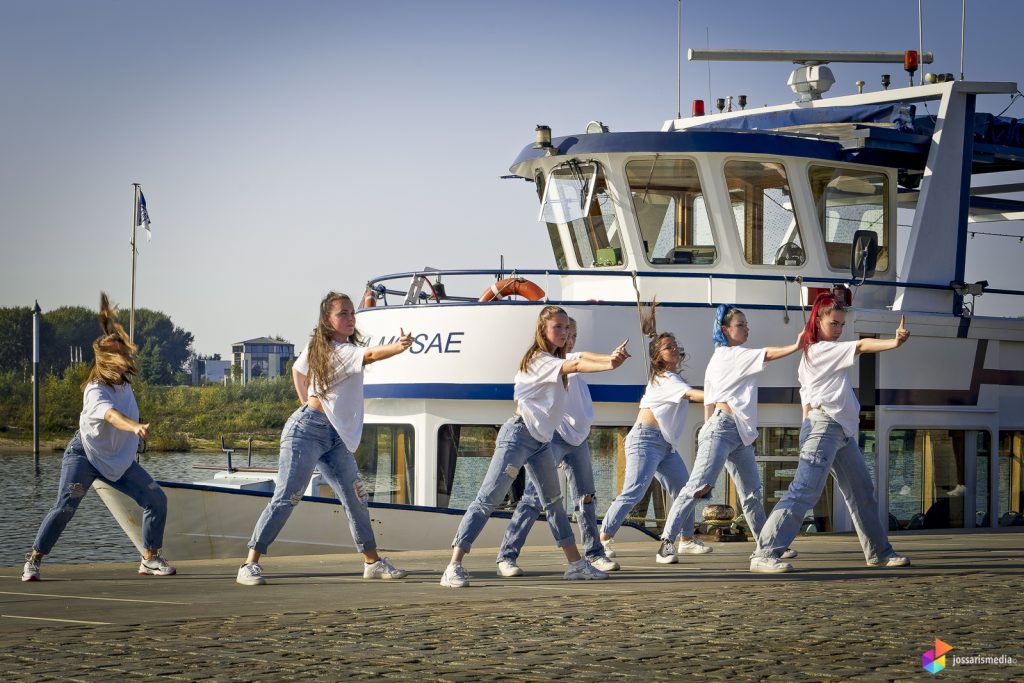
pixel 463 455
pixel 777 452
pixel 556 240
pixel 927 477
pixel 386 462
pixel 577 196
pixel 1011 478
pixel 763 209
pixel 670 210
pixel 848 200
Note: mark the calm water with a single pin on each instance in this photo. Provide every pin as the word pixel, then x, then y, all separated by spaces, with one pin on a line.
pixel 93 535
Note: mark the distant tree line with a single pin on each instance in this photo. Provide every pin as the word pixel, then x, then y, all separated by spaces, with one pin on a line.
pixel 164 348
pixel 182 417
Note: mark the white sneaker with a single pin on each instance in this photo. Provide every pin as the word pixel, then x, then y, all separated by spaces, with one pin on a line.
pixel 454 576
pixel 382 569
pixel 581 570
pixel 609 547
pixel 509 568
pixel 769 565
pixel 666 553
pixel 788 554
pixel 894 560
pixel 156 566
pixel 250 574
pixel 604 564
pixel 30 572
pixel 692 547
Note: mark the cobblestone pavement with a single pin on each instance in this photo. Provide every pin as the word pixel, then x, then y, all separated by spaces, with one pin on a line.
pixel 705 619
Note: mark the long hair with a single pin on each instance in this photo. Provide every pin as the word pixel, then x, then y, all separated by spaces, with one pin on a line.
pixel 321 344
pixel 649 327
pixel 723 317
pixel 824 304
pixel 114 350
pixel 540 344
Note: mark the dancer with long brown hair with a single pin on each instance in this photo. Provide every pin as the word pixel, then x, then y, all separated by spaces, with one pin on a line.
pixel 104 448
pixel 541 392
pixel 325 432
pixel 653 442
pixel 828 442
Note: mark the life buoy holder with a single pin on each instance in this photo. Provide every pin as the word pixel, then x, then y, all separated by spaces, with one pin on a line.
pixel 513 286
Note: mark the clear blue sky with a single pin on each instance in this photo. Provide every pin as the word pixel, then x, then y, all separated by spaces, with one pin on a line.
pixel 289 148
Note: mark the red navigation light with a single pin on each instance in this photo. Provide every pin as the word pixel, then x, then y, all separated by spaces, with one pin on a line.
pixel 697 108
pixel 910 61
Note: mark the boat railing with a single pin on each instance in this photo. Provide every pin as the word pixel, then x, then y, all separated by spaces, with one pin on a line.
pixel 380 288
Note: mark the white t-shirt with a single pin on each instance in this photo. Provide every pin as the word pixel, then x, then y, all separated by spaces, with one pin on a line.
pixel 664 397
pixel 541 396
pixel 579 409
pixel 107 448
pixel 343 400
pixel 825 382
pixel 732 377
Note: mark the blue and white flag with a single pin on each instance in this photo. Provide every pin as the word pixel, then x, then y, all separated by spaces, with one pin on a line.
pixel 142 216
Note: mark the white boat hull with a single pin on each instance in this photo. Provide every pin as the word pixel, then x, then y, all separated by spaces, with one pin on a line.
pixel 205 522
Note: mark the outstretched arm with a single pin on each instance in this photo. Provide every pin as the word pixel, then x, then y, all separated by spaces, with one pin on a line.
pixel 126 424
pixel 376 353
pixel 597 362
pixel 876 345
pixel 777 352
pixel 695 395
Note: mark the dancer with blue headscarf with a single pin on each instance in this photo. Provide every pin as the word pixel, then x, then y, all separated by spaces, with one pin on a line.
pixel 728 435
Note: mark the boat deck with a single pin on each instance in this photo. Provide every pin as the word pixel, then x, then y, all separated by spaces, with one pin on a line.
pixel 708 618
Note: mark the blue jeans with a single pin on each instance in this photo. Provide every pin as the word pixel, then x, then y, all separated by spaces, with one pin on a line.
pixel 309 441
pixel 76 476
pixel 825 447
pixel 580 473
pixel 719 445
pixel 648 456
pixel 514 449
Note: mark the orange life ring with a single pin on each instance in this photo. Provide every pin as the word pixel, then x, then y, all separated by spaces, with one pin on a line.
pixel 513 286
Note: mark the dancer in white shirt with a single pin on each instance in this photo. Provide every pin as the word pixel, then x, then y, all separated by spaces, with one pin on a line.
pixel 104 448
pixel 828 442
pixel 324 433
pixel 571 452
pixel 541 390
pixel 652 444
pixel 727 437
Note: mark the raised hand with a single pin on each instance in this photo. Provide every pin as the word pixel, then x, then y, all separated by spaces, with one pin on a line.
pixel 620 354
pixel 902 333
pixel 404 338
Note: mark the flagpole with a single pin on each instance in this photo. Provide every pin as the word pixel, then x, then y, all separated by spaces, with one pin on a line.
pixel 135 220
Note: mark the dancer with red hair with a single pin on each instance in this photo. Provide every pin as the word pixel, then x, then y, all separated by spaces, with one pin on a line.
pixel 828 442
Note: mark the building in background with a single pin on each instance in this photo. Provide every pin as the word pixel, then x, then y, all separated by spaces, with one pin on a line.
pixel 261 357
pixel 211 370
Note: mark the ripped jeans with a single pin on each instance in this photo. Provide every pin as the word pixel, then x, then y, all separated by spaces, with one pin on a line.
pixel 76 477
pixel 580 472
pixel 719 445
pixel 824 448
pixel 514 449
pixel 308 441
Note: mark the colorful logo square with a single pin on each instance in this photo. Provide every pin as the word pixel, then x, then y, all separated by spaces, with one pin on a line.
pixel 934 661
